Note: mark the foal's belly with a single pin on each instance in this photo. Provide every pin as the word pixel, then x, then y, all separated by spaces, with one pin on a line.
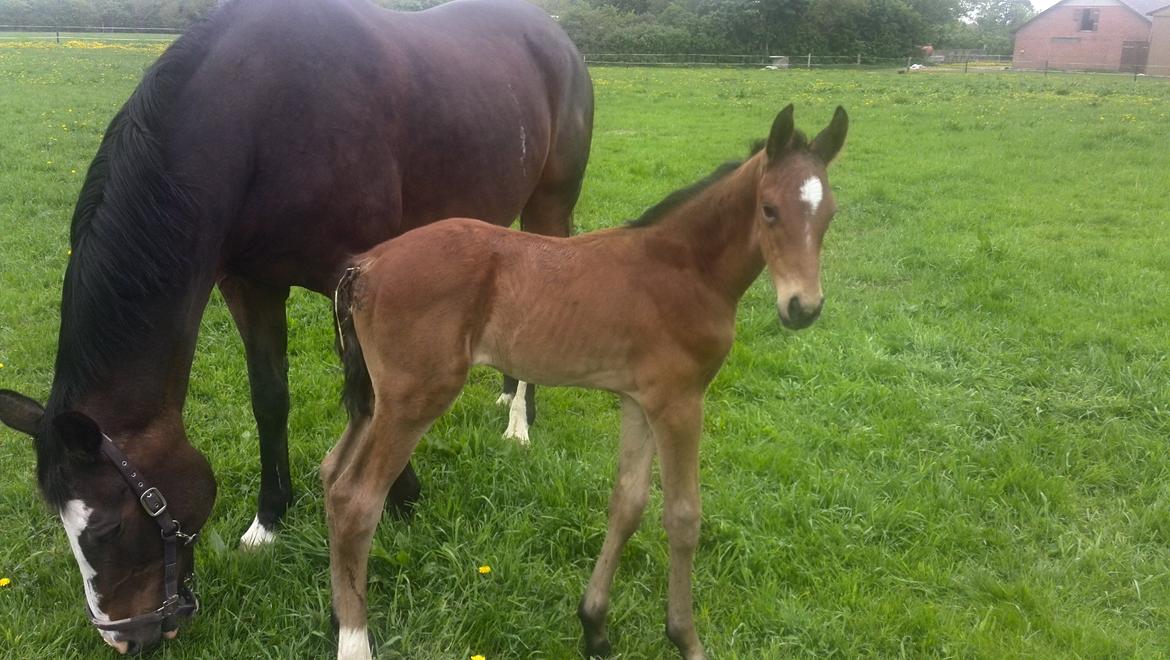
pixel 550 365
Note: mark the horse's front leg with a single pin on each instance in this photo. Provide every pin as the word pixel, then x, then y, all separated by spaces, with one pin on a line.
pixel 677 427
pixel 259 313
pixel 357 475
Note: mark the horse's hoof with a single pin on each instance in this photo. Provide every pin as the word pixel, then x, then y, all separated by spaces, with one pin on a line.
pixel 257 536
pixel 598 649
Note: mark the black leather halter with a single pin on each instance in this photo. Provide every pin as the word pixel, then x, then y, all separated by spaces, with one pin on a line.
pixel 176 601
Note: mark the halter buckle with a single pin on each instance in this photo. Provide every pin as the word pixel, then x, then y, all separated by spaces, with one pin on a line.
pixel 153 502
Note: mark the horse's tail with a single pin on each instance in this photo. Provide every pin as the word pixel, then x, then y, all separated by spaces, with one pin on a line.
pixel 358 392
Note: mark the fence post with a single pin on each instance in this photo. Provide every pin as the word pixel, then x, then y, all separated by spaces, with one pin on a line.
pixel 966 64
pixel 908 63
pixel 1045 68
pixel 58 37
pixel 859 59
pixel 809 66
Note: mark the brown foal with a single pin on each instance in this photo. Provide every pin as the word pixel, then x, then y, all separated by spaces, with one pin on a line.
pixel 646 311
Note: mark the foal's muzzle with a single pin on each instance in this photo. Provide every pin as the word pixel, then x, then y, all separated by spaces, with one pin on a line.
pixel 797 315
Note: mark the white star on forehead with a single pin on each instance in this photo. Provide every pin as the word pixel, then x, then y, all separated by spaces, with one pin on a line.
pixel 811 193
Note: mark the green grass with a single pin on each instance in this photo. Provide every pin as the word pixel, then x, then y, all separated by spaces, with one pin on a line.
pixel 965 457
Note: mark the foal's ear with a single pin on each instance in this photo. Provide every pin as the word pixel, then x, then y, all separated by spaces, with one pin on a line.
pixel 783 129
pixel 79 433
pixel 828 143
pixel 20 412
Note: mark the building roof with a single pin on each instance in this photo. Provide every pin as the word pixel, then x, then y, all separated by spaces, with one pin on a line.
pixel 1160 10
pixel 1140 7
pixel 1144 7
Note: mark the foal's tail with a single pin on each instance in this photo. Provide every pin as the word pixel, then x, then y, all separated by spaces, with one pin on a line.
pixel 358 392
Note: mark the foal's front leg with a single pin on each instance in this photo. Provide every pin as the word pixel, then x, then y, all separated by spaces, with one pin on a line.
pixel 676 431
pixel 626 505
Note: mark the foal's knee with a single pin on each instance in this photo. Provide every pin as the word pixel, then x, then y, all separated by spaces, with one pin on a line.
pixel 681 521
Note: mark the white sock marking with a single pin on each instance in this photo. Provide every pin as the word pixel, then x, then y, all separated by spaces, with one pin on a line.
pixel 353 644
pixel 812 192
pixel 257 535
pixel 518 415
pixel 75 517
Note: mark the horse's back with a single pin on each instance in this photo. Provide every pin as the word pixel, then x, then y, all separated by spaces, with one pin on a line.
pixel 349 124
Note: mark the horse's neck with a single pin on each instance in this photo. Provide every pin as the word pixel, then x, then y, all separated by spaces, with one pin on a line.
pixel 147 384
pixel 716 231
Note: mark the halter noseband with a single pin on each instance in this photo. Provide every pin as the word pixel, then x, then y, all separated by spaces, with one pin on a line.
pixel 175 602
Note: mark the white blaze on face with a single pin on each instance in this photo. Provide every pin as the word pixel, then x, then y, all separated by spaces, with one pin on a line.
pixel 812 192
pixel 75 517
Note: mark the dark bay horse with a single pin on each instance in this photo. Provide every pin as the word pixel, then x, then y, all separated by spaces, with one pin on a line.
pixel 263 149
pixel 646 311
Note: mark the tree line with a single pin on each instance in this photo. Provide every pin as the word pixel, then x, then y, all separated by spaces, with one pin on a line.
pixel 872 28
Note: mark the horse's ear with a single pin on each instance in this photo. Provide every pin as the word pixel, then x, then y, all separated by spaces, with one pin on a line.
pixel 79 433
pixel 783 129
pixel 20 412
pixel 828 143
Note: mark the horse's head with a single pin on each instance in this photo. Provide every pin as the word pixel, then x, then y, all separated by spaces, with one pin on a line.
pixel 794 206
pixel 131 508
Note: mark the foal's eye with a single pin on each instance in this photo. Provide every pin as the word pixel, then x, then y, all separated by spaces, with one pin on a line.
pixel 770 213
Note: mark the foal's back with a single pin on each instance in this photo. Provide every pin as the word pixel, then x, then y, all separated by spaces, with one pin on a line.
pixel 581 311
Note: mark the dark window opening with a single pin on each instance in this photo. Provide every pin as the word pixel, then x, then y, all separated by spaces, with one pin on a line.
pixel 1089 18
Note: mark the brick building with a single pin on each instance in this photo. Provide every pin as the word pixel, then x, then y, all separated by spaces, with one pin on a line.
pixel 1088 35
pixel 1158 63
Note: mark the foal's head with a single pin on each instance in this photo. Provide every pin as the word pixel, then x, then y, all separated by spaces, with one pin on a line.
pixel 794 206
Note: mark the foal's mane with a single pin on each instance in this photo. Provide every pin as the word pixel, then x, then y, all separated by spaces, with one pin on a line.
pixel 679 197
pixel 130 235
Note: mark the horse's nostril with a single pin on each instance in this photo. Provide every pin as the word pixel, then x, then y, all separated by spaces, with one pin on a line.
pixel 132 647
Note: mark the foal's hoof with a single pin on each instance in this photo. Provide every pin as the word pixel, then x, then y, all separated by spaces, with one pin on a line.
pixel 257 536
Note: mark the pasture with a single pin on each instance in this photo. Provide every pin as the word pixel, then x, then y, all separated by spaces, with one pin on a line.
pixel 964 457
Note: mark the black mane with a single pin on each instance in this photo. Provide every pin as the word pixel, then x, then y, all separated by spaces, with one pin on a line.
pixel 677 198
pixel 130 240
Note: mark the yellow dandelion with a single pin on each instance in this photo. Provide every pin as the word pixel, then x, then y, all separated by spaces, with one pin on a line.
pixel 1 365
pixel 69 252
pixel 478 657
pixel 4 582
pixel 485 569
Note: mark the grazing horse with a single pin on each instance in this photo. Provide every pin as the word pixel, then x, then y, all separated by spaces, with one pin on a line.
pixel 646 311
pixel 265 148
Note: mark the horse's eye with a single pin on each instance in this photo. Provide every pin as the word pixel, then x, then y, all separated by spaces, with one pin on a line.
pixel 109 533
pixel 770 213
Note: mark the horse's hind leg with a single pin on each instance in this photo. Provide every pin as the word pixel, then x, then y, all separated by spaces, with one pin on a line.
pixel 626 505
pixel 549 212
pixel 259 313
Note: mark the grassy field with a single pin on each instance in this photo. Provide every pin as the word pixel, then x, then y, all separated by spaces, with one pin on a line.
pixel 965 457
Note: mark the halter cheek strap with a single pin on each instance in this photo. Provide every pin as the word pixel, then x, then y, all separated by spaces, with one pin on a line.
pixel 175 603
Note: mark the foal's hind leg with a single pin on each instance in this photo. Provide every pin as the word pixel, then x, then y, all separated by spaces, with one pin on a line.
pixel 358 475
pixel 626 505
pixel 259 313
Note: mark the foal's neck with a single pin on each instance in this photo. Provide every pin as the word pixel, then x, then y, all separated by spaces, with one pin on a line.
pixel 716 232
